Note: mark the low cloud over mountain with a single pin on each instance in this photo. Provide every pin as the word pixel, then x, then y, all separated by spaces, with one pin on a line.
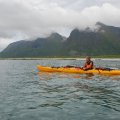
pixel 104 40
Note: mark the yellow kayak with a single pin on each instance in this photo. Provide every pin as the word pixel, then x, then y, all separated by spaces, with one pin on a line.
pixel 78 70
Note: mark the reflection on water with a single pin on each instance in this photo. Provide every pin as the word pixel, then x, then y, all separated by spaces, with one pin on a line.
pixel 50 75
pixel 26 94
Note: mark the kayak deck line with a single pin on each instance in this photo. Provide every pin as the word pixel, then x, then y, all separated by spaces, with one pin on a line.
pixel 78 70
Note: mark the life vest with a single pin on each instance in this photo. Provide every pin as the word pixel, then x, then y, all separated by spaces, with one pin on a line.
pixel 89 65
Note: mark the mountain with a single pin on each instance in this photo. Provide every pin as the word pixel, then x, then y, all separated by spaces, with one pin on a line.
pixel 103 40
pixel 50 46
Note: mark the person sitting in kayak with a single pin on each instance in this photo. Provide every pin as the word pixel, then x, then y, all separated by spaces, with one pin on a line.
pixel 88 64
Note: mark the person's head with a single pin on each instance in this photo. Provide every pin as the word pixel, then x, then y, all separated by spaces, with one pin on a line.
pixel 88 58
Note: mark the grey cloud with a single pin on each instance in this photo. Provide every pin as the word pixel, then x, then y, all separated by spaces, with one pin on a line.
pixel 24 19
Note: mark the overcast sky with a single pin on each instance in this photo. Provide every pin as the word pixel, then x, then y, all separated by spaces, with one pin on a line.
pixel 25 19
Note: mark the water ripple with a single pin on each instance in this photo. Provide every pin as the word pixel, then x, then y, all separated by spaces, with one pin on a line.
pixel 26 94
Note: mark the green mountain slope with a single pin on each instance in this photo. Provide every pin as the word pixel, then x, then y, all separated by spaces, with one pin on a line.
pixel 103 41
pixel 36 48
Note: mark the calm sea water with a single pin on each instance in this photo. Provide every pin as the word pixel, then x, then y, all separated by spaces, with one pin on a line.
pixel 26 94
